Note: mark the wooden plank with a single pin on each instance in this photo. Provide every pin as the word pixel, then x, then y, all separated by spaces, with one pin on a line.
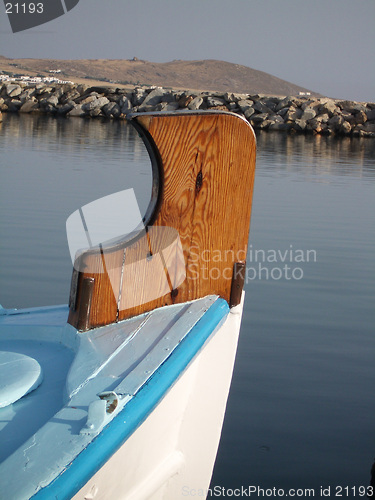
pixel 207 165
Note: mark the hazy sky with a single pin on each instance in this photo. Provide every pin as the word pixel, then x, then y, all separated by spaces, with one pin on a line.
pixel 325 45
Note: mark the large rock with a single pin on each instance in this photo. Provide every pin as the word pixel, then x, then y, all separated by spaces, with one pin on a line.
pixel 137 96
pixel 345 128
pixel 335 122
pixel 166 106
pixel 65 108
pixel 351 106
pixel 308 114
pixel 316 125
pixel 94 103
pixel 153 98
pixel 215 101
pixel 185 99
pixel 322 118
pixel 232 97
pixel 26 94
pixel 258 119
pixel 112 109
pixel 52 99
pixel 249 112
pixel 284 103
pixel 196 103
pixel 328 106
pixel 261 107
pixel 69 95
pixel 29 106
pixel 360 117
pixel 245 104
pixel 293 114
pixel 77 111
pixel 125 104
pixel 14 105
pixel 13 90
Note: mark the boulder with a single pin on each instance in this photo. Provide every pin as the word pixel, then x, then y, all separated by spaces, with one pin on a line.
pixel 283 111
pixel 245 104
pixel 215 101
pixel 261 107
pixel 329 107
pixel 137 96
pixel 77 111
pixel 14 105
pixel 196 103
pixel 171 106
pixel 293 114
pixel 96 112
pixel 232 97
pixel 323 118
pixel 125 105
pixel 69 96
pixel 111 109
pixel 82 89
pixel 299 125
pixel 360 117
pixel 249 112
pixel 94 103
pixel 369 127
pixel 349 117
pixel 316 125
pixel 351 106
pixel 65 108
pixel 153 98
pixel 284 103
pixel 13 90
pixel 184 100
pixel 257 119
pixel 308 114
pixel 29 106
pixel 232 106
pixel 335 122
pixel 26 94
pixel 52 99
pixel 345 128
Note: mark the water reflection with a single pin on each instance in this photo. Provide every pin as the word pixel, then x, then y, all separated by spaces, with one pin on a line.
pixel 112 139
pixel 50 167
pixel 321 154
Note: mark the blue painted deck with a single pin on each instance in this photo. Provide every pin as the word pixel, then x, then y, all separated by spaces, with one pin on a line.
pixel 48 448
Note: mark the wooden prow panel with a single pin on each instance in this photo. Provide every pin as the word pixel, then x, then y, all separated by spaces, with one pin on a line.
pixel 203 193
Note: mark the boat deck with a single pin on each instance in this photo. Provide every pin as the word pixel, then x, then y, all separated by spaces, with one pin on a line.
pixel 89 379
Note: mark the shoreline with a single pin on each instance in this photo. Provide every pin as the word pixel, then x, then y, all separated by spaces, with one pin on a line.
pixel 291 114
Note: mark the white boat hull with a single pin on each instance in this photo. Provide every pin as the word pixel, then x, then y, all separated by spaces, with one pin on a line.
pixel 172 453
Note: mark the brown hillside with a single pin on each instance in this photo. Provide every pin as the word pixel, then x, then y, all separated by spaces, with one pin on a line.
pixel 203 75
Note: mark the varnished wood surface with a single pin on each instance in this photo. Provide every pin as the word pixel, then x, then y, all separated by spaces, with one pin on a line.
pixel 207 164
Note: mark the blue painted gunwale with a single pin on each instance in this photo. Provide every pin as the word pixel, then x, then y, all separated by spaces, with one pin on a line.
pixel 111 438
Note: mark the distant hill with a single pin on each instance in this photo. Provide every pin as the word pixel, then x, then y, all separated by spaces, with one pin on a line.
pixel 209 74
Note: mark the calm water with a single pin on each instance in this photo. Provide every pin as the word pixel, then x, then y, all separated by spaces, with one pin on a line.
pixel 302 405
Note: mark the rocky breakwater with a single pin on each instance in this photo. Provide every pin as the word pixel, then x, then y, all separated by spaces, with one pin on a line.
pixel 290 114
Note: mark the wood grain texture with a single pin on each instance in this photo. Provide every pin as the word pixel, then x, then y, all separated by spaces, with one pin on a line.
pixel 207 162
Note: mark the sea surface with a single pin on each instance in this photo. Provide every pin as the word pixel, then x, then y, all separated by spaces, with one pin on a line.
pixel 301 411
